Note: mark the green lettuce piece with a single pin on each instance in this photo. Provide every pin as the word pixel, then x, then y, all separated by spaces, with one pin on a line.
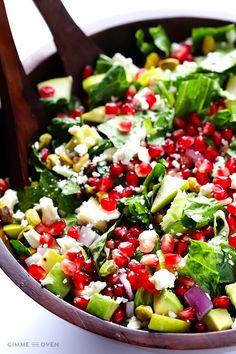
pixel 113 84
pixel 231 151
pixel 152 181
pixel 71 187
pixel 59 127
pixel 98 149
pixel 157 124
pixel 172 219
pixel 159 38
pixel 218 61
pixel 135 209
pixel 144 47
pixel 194 95
pixel 221 227
pixel 35 161
pixel 225 118
pixel 103 64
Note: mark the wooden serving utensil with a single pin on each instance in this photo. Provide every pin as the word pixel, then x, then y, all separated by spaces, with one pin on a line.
pixel 75 49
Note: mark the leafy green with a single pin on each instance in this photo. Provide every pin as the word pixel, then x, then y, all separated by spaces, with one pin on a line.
pixel 103 64
pixel 71 220
pixel 35 161
pixel 159 38
pixel 113 84
pixel 98 149
pixel 165 92
pixel 218 61
pixel 71 187
pixel 224 118
pixel 154 178
pixel 103 170
pixel 135 208
pixel 194 95
pixel 53 106
pixel 198 34
pixel 221 227
pixel 171 221
pixel 19 248
pixel 231 151
pixel 144 47
pixel 157 124
pixel 59 127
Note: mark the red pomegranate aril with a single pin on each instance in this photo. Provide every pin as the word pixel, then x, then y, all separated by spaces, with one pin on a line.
pixel 150 99
pixel 177 134
pixel 200 327
pixel 208 128
pixel 133 279
pixel 179 122
pixel 232 238
pixel 94 182
pixel 132 239
pixel 185 142
pixel 211 153
pixel 75 255
pixel 191 130
pixel 172 259
pixel 169 147
pixel 131 92
pixel 167 243
pixel 182 53
pixel 223 181
pixel 231 164
pixel 127 248
pixel 186 281
pixel 204 166
pixel 116 170
pixel 57 228
pixel 208 231
pixel 105 183
pixel 89 266
pixel 131 179
pixel 150 260
pixel 219 192
pixel 217 138
pixel 77 112
pixel 155 151
pixel 181 247
pixel 135 231
pixel 68 267
pixel 87 71
pixel 108 291
pixel 80 302
pixel 125 126
pixel 223 172
pixel 47 92
pixel 81 279
pixel 46 239
pixel 36 271
pixel 188 314
pixel 199 236
pixel 119 290
pixel 108 204
pixel 120 232
pixel 127 109
pixel 112 279
pixel 120 259
pixel 199 143
pixel 186 173
pixel 44 155
pixel 111 109
pixel 143 169
pixel 180 290
pixel 231 208
pixel 73 232
pixel 222 302
pixel 213 109
pixel 4 185
pixel 195 119
pixel 228 134
pixel 136 266
pixel 110 244
pixel 114 195
pixel 118 316
pixel 202 178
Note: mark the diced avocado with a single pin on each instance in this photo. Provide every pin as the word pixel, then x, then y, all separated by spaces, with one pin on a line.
pixel 50 258
pixel 57 282
pixel 166 302
pixel 168 190
pixel 230 290
pixel 231 85
pixel 12 230
pixel 168 324
pixel 61 85
pixel 109 267
pixel 143 297
pixel 218 320
pixel 96 115
pixel 91 81
pixel 102 306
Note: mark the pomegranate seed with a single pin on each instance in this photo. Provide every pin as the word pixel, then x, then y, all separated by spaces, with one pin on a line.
pixel 80 303
pixel 120 232
pixel 200 327
pixel 57 227
pixel 192 130
pixel 127 109
pixel 228 134
pixel 213 109
pixel 195 119
pixel 89 266
pixel 108 204
pixel 231 220
pixel 135 231
pixel 143 169
pixel 94 182
pixel 199 143
pixel 108 291
pixel 167 243
pixel 208 231
pixel 120 259
pixel 47 92
pixel 208 128
pixel 188 314
pixel 125 126
pixel 171 259
pixel 155 151
pixel 151 99
pixel 133 240
pixel 217 137
pixel 133 279
pixel 180 290
pixel 46 239
pixel 219 192
pixel 111 109
pixel 114 195
pixel 199 236
pixel 231 208
pixel 211 153
pixel 231 164
pixel 186 281
pixel 87 71
pixel 132 179
pixel 136 266
pixel 202 178
pixel 127 192
pixel 204 166
pixel 3 186
pixel 68 267
pixel 169 147
pixel 186 173
pixel 223 181
pixel 44 154
pixel 177 134
pixel 110 244
pixel 181 247
pixel 179 122
pixel 116 170
pixel 222 302
pixel 77 112
pixel 36 271
pixel 105 183
pixel 73 232
pixel 118 316
pixel 131 92
pixel 112 279
pixel 150 260
pixel 182 53
pixel 185 142
pixel 232 240
pixel 127 248
pixel 223 172
pixel 74 254
pixel 81 279
pixel 119 290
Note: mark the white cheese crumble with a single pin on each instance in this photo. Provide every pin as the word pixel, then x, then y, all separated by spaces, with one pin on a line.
pixel 47 281
pixel 18 215
pixel 134 323
pixel 127 63
pixel 32 238
pixel 10 198
pixel 206 190
pixel 219 164
pixel 60 149
pixel 81 149
pixel 87 236
pixel 172 314
pixel 92 288
pixel 67 242
pixel 49 212
pixel 35 258
pixel 163 279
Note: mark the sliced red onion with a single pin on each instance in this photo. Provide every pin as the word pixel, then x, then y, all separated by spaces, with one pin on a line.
pixel 127 285
pixel 194 155
pixel 198 300
pixel 129 308
pixel 87 236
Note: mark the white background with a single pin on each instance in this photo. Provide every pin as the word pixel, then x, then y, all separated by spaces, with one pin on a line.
pixel 21 319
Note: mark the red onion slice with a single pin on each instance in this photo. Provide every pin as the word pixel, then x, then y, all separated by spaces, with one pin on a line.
pixel 194 155
pixel 198 299
pixel 127 285
pixel 87 236
pixel 129 308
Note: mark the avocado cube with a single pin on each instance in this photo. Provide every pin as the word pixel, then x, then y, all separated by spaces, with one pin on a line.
pixel 12 230
pixel 102 306
pixel 92 80
pixel 61 85
pixel 96 115
pixel 167 324
pixel 218 320
pixel 166 302
pixel 50 258
pixel 57 282
pixel 230 290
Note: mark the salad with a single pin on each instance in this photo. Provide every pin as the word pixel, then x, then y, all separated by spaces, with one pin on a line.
pixel 131 210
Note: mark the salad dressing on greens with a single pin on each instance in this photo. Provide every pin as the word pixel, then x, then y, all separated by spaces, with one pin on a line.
pixel 131 213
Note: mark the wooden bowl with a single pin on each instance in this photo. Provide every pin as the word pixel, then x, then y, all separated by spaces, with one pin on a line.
pixel 116 39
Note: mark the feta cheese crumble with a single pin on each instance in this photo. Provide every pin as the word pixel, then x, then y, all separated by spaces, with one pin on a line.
pixel 163 279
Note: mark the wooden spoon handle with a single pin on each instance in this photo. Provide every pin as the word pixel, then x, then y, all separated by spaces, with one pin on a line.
pixel 75 48
pixel 23 115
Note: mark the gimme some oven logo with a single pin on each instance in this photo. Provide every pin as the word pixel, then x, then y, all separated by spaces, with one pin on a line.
pixel 33 344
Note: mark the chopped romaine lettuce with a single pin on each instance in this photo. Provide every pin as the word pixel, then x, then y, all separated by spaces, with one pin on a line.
pixel 218 61
pixel 135 208
pixel 157 124
pixel 160 39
